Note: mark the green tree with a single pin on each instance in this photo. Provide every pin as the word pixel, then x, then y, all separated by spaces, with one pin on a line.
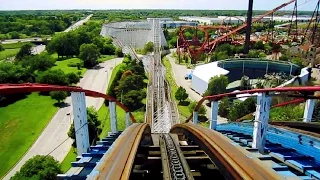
pixel 108 49
pixel 26 50
pixel 217 85
pixel 259 45
pixel 181 94
pixel 39 167
pixel 149 47
pixel 224 107
pixel 118 52
pixel 89 53
pixel 133 99
pixel 1 47
pixel 58 95
pixel 284 58
pixel 39 62
pixel 73 78
pixel 202 110
pixel 93 126
pixel 245 82
pixel 134 82
pixel 55 77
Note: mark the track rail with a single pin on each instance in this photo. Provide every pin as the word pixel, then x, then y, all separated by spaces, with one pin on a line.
pixel 121 154
pixel 233 161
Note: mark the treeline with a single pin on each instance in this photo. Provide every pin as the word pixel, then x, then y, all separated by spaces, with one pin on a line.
pixel 16 26
pixel 128 85
pixel 69 44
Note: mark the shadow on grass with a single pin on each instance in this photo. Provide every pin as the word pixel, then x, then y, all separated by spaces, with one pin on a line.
pixel 61 104
pixel 202 118
pixel 6 100
pixel 184 103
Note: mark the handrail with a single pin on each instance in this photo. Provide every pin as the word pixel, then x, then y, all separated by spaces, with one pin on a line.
pixel 234 162
pixel 35 87
pixel 252 91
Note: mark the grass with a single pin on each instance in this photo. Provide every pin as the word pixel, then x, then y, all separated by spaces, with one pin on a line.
pixel 104 58
pixel 183 110
pixel 20 125
pixel 7 53
pixel 15 45
pixel 71 156
pixel 63 65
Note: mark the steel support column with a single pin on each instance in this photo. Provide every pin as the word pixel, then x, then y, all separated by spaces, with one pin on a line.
pixel 80 122
pixel 308 110
pixel 128 119
pixel 214 114
pixel 261 121
pixel 248 29
pixel 195 117
pixel 113 116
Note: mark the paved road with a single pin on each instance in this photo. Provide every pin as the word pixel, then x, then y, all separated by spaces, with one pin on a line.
pixel 56 131
pixel 179 71
pixel 79 23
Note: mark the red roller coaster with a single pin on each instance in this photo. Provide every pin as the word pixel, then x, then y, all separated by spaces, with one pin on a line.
pixel 194 47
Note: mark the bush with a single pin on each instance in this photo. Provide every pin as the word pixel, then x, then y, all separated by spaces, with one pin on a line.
pixel 253 54
pixel 73 78
pixel 133 98
pixel 26 50
pixel 39 167
pixel 40 62
pixel 224 107
pixel 202 110
pixel 59 95
pixel 1 47
pixel 118 52
pixel 217 85
pixel 55 77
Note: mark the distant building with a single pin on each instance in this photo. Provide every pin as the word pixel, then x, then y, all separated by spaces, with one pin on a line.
pixel 176 24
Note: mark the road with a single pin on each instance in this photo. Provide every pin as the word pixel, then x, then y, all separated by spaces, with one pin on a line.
pixel 179 71
pixel 79 23
pixel 56 131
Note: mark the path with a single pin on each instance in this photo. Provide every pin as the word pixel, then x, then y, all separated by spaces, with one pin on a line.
pixel 56 131
pixel 179 72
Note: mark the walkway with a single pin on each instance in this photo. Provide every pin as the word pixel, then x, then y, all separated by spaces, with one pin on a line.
pixel 179 72
pixel 56 131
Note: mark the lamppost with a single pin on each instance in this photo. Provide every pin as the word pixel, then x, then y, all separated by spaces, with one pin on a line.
pixel 69 114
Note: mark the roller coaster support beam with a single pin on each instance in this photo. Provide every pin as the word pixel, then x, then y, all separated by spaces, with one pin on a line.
pixel 248 29
pixel 127 119
pixel 113 116
pixel 195 117
pixel 80 122
pixel 214 114
pixel 261 121
pixel 308 110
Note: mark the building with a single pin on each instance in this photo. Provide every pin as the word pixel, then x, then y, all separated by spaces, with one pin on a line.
pixel 202 75
pixel 177 24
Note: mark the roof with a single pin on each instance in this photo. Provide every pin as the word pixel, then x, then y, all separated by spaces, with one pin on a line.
pixel 207 71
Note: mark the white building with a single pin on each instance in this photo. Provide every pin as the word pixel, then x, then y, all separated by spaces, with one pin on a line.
pixel 203 73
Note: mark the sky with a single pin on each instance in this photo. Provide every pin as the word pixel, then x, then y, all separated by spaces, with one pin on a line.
pixel 149 4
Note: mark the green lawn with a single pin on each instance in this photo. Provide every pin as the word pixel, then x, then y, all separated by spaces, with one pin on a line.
pixel 7 53
pixel 63 65
pixel 104 58
pixel 183 110
pixel 20 125
pixel 14 45
pixel 71 157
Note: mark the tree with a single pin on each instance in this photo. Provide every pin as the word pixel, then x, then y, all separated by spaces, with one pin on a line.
pixel 93 126
pixel 26 50
pixel 181 94
pixel 134 82
pixel 108 49
pixel 202 110
pixel 133 98
pixel 118 52
pixel 149 47
pixel 73 78
pixel 1 47
pixel 217 85
pixel 224 107
pixel 39 167
pixel 39 62
pixel 259 45
pixel 89 53
pixel 55 77
pixel 58 95
pixel 244 82
pixel 284 58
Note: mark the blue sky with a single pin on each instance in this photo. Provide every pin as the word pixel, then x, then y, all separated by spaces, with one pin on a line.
pixel 148 4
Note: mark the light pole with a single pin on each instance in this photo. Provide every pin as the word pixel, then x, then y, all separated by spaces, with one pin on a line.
pixel 69 114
